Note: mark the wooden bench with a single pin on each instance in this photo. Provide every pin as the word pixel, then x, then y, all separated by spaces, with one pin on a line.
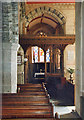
pixel 23 95
pixel 31 102
pixel 31 90
pixel 28 93
pixel 30 84
pixel 24 110
pixel 26 114
pixel 34 87
pixel 25 99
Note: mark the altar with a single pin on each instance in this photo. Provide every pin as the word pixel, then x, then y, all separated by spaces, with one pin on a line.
pixel 39 75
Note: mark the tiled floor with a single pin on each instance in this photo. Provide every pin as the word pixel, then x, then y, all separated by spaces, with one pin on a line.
pixel 62 110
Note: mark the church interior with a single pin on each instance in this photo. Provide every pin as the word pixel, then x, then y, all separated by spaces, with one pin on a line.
pixel 41 60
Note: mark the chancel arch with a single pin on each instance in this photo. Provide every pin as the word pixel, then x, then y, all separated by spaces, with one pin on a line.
pixel 42 10
pixel 43 16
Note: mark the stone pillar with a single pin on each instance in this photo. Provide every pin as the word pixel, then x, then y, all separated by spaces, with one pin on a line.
pixel 79 89
pixel 0 48
pixel 78 57
pixel 9 46
pixel 9 83
pixel 1 57
pixel 82 47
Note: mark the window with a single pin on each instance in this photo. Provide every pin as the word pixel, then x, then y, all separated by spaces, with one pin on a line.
pixel 48 56
pixel 38 55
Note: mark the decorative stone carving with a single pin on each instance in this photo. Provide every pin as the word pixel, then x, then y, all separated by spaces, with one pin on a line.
pixel 39 11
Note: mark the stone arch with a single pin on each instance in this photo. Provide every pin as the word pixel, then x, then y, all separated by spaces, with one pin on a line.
pixel 43 10
pixel 69 59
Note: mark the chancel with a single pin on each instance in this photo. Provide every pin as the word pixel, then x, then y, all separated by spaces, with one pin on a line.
pixel 41 65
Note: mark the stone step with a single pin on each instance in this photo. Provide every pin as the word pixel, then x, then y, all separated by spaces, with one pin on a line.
pixel 70 116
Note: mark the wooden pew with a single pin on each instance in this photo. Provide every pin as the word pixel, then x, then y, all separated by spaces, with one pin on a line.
pixel 31 90
pixel 26 114
pixel 27 93
pixel 27 111
pixel 27 104
pixel 29 86
pixel 23 95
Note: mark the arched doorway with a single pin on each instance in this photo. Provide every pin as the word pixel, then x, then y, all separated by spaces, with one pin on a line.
pixel 20 65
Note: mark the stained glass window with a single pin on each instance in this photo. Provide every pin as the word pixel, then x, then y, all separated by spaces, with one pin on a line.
pixel 35 52
pixel 41 55
pixel 47 56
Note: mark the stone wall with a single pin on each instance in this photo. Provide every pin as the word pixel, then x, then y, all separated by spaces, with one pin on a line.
pixel 10 22
pixel 10 40
pixel 0 47
pixel 78 57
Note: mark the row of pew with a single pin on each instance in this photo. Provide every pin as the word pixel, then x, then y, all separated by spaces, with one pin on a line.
pixel 31 101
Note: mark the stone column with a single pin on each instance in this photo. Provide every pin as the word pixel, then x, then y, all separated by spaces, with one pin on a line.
pixel 78 57
pixel 0 48
pixel 1 56
pixel 82 47
pixel 79 89
pixel 9 83
pixel 9 46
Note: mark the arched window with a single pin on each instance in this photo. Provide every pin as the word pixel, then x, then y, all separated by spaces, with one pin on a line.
pixel 38 55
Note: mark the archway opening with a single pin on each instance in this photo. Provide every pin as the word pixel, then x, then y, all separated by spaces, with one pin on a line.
pixel 43 29
pixel 20 65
